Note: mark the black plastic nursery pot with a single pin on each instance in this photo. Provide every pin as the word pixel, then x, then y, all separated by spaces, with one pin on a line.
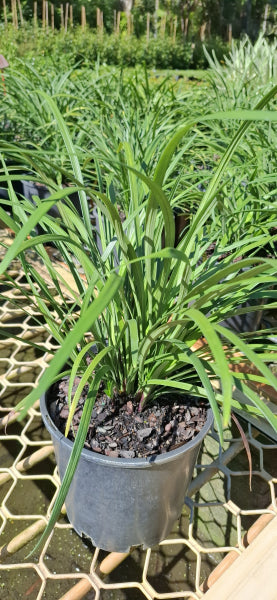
pixel 27 189
pixel 119 502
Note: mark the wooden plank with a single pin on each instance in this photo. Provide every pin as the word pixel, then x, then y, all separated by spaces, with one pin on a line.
pixel 233 555
pixel 253 574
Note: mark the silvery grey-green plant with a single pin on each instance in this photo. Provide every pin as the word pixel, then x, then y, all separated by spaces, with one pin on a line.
pixel 248 71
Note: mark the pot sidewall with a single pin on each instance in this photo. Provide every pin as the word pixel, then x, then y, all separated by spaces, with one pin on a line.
pixel 119 503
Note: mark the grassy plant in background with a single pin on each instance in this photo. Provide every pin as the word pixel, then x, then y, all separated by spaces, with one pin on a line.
pixel 65 49
pixel 105 109
pixel 128 116
pixel 32 123
pixel 247 199
pixel 249 70
pixel 248 196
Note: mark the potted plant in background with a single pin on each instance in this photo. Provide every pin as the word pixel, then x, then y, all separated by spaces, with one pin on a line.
pixel 128 329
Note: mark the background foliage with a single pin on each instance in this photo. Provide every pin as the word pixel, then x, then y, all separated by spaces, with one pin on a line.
pixel 245 16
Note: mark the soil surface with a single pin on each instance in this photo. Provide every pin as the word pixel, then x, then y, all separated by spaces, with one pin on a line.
pixel 119 428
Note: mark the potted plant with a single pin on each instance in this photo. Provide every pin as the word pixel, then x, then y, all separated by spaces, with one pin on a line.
pixel 128 329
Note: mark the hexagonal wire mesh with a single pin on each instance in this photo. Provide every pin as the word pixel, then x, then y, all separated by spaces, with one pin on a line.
pixel 219 510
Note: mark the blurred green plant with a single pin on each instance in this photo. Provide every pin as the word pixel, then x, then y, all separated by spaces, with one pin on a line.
pixel 249 69
pixel 65 49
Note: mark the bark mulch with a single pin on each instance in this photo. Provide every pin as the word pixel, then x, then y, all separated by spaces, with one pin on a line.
pixel 119 428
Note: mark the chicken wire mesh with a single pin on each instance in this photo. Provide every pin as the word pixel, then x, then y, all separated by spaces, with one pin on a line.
pixel 218 511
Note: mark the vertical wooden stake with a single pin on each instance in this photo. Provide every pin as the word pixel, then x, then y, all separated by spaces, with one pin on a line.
pixel 66 16
pixel 71 15
pixel 5 13
pixel 186 27
pixel 14 14
pixel 163 26
pixel 52 16
pixel 266 11
pixel 174 30
pixel 147 27
pixel 114 21
pixel 83 17
pixel 202 32
pixel 129 24
pixel 118 22
pixel 46 15
pixel 62 17
pixel 230 33
pixel 35 14
pixel 43 14
pixel 156 18
pixel 20 13
pixel 12 11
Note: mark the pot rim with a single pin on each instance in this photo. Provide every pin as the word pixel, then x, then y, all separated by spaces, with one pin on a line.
pixel 135 463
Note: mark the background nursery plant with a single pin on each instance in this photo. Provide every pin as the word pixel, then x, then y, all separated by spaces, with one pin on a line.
pixel 142 296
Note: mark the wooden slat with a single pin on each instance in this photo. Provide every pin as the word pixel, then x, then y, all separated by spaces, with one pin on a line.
pixel 253 575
